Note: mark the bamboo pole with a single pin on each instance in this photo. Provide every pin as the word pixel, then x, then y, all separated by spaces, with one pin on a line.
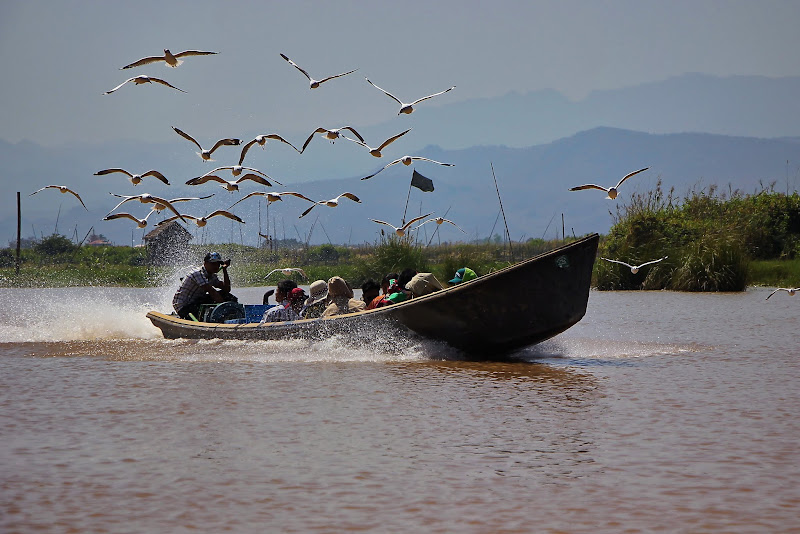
pixel 19 231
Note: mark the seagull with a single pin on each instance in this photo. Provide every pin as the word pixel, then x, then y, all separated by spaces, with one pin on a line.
pixel 790 290
pixel 135 179
pixel 262 140
pixel 63 189
pixel 635 268
pixel 141 223
pixel 440 220
pixel 332 203
pixel 313 84
pixel 408 107
pixel 287 271
pixel 377 151
pixel 236 170
pixel 271 196
pixel 138 80
pixel 407 160
pixel 171 60
pixel 401 231
pixel 202 221
pixel 330 134
pixel 229 185
pixel 612 191
pixel 147 198
pixel 206 154
pixel 159 207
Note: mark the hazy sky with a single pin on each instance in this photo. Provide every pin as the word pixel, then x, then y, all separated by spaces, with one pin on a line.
pixel 58 57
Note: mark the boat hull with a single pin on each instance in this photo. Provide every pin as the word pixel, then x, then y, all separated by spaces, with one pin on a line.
pixel 491 315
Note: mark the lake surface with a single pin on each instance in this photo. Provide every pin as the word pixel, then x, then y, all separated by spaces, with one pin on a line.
pixel 658 412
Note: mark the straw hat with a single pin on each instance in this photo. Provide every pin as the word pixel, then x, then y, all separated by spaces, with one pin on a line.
pixel 317 292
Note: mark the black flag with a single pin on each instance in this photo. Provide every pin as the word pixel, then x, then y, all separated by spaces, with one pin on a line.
pixel 421 183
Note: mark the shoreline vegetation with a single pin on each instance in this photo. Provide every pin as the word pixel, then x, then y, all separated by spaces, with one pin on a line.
pixel 715 241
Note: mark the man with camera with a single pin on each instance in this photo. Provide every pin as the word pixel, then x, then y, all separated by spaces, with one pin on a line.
pixel 203 286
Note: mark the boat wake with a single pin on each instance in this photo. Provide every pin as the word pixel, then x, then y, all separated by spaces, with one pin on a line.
pixel 586 351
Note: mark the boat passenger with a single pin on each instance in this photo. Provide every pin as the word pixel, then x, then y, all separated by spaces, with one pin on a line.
pixel 398 292
pixel 203 286
pixel 423 284
pixel 386 282
pixel 316 302
pixel 369 290
pixel 464 274
pixel 278 313
pixel 341 299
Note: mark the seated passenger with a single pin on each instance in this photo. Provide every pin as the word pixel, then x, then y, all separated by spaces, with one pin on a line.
pixel 423 284
pixel 316 302
pixel 297 299
pixel 279 313
pixel 203 286
pixel 369 290
pixel 341 299
pixel 464 274
pixel 386 282
pixel 398 292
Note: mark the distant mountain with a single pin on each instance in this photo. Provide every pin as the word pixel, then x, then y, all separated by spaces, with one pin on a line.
pixel 533 184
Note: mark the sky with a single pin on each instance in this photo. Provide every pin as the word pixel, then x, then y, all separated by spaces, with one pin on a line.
pixel 58 57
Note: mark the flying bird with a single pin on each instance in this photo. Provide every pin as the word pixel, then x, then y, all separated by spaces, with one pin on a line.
pixel 139 80
pixel 271 196
pixel 159 207
pixel 206 154
pixel 287 271
pixel 332 203
pixel 313 84
pixel 229 185
pixel 407 160
pixel 635 268
pixel 202 221
pixel 262 140
pixel 170 59
pixel 147 198
pixel 790 290
pixel 141 223
pixel 401 230
pixel 612 191
pixel 408 107
pixel 135 179
pixel 330 134
pixel 439 221
pixel 63 189
pixel 377 151
pixel 236 170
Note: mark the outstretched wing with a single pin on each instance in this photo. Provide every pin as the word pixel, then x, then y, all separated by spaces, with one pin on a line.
pixel 144 61
pixel 588 186
pixel 156 174
pixel 417 101
pixel 225 214
pixel 256 178
pixel 654 261
pixel 164 82
pixel 314 205
pixel 392 140
pixel 254 193
pixel 120 216
pixel 168 204
pixel 337 76
pixel 295 65
pixel 117 87
pixel 109 171
pixel 383 168
pixel 187 136
pixel 415 219
pixel 451 222
pixel 620 262
pixel 354 132
pixel 187 53
pixel 224 142
pixel 779 289
pixel 432 161
pixel 387 93
pixel 629 175
pixel 351 196
pixel 206 178
pixel 384 222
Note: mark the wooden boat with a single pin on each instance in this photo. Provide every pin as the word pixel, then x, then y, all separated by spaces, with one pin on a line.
pixel 491 315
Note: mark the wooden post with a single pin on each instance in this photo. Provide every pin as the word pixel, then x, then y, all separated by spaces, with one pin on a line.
pixel 19 230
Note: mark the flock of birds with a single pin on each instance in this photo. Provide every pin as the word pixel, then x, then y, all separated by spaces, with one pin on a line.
pixel 239 173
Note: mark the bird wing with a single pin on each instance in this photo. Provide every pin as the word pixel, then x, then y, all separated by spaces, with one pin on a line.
pixel 351 196
pixel 206 178
pixel 432 161
pixel 310 137
pixel 629 175
pixel 226 142
pixel 117 87
pixel 588 186
pixel 387 93
pixel 164 82
pixel 245 148
pixel 185 199
pixel 431 96
pixel 384 167
pixel 454 224
pixel 120 216
pixel 254 193
pixel 225 214
pixel 187 53
pixel 121 203
pixel 384 222
pixel 314 205
pixel 337 75
pixel 256 178
pixel 156 174
pixel 168 204
pixel 295 65
pixel 779 289
pixel 392 140
pixel 144 61
pixel 277 137
pixel 415 219
pixel 109 171
pixel 298 195
pixel 175 217
pixel 620 262
pixel 187 136
pixel 354 132
pixel 360 143
pixel 654 261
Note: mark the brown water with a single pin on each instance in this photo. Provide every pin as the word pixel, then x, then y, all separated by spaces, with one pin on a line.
pixel 659 412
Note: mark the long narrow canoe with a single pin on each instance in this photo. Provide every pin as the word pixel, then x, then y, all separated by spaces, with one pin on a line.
pixel 494 314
